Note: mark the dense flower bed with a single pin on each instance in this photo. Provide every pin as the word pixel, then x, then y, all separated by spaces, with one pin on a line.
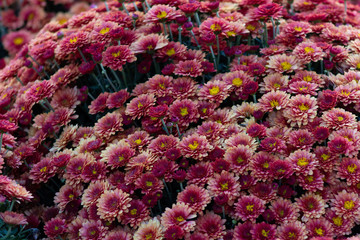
pixel 190 120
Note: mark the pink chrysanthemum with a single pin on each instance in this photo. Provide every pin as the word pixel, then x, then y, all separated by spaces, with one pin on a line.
pixel 192 68
pixel 149 183
pixel 301 139
pixel 352 136
pixel 264 190
pixel 303 162
pixel 92 230
pixel 311 206
pixel 340 225
pixel 161 13
pixel 309 77
pixel 241 139
pixel 239 158
pixel 117 99
pixel 313 182
pixel 281 169
pixel 274 100
pixel 214 91
pixel 226 184
pixel 325 158
pixel 236 79
pixel 249 208
pixel 138 140
pixel 137 213
pixel 263 231
pixel 348 94
pixel 40 90
pixel 108 125
pixel 346 205
pixel 283 64
pixel 93 192
pixel 338 118
pixel 273 144
pixel 115 57
pixel 94 170
pixel 148 44
pixel 117 155
pixel 305 88
pixel 151 229
pixel 42 171
pixel 260 166
pixel 213 131
pixel 13 218
pixel 14 41
pixel 66 195
pixel 197 198
pixel 55 227
pixel 308 52
pixel 199 174
pixel 113 204
pixel 179 215
pixel 139 106
pixel 291 231
pixel 66 97
pixel 161 144
pixel 339 145
pixel 195 146
pixel 284 210
pixel 160 85
pixel 183 88
pixel 319 228
pixel 99 104
pixel 301 110
pixel 68 46
pixel 211 225
pixel 217 26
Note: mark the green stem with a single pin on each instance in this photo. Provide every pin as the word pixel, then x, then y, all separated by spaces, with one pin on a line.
pixel 81 54
pixel 265 35
pixel 116 77
pixel 19 80
pixel 274 27
pixel 127 12
pixel 98 81
pixel 164 26
pixel 165 127
pixel 196 41
pixel 124 77
pixel 218 50
pixel 1 138
pixel 12 205
pixel 107 77
pixel 213 56
pixel 197 18
pixel 107 6
pixel 156 64
pixel 171 35
pixel 6 237
pixel 180 30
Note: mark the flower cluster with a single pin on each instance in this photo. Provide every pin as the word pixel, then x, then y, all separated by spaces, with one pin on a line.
pixel 186 120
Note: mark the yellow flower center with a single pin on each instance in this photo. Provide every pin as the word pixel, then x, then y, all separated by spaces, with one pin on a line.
pixel 292 235
pixel 121 158
pixel 306 3
pixel 43 169
pixel 358 66
pixel 71 196
pixel 116 54
pixel 18 41
pixel 345 93
pixel 162 145
pixel 215 27
pixel 56 228
pixel 138 141
pixel 319 231
pixel 298 29
pixel 31 16
pixel 94 172
pixel 302 88
pixel 351 168
pixel 93 232
pixel 325 157
pixel 150 47
pixel 231 33
pixel 73 40
pixel 239 160
pixel 309 50
pixel 104 30
pixel 274 103
pixel 307 79
pixel 266 165
pixel 180 219
pixel 62 21
pixel 161 15
pixel 224 186
pixel 193 146
pixel 149 184
pixel 340 118
pixel 204 110
pixel 148 236
pixel 302 162
pixel 237 82
pixel 286 66
pixel 276 85
pixel 250 207
pixel 250 27
pixel 184 111
pixel 304 107
pixel 265 233
pixel 337 221
pixel 140 105
pixel 214 90
pixel 349 205
pixel 133 211
pixel 170 52
pixel 310 178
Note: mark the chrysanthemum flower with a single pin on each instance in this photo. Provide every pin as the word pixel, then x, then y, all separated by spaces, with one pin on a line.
pixel 68 46
pixel 301 110
pixel 65 75
pixel 13 218
pixel 224 183
pixel 164 169
pixel 265 11
pixel 239 158
pixel 338 118
pixel 348 94
pixel 55 227
pixel 273 144
pixel 94 170
pixel 76 166
pixel 199 174
pixel 118 234
pixel 292 230
pixel 284 210
pixel 214 91
pixel 340 225
pixel 99 104
pixel 139 106
pixel 42 171
pixel 325 158
pixel 148 44
pixel 151 230
pixel 303 162
pixel 217 26
pixel 180 215
pixel 195 146
pixel 283 64
pixel 302 87
pixel 308 52
pixel 346 205
pixel 338 145
pixel 260 165
pixel 93 192
pixel 236 79
pixel 138 140
pixel 113 204
pixel 115 57
pixel 161 144
pixel 66 97
pixel 117 99
pixel 67 194
pixel 191 68
pixel 213 131
pixel 263 231
pixel 313 182
pixel 183 88
pixel 14 41
pixel 160 85
pixel 319 228
pixel 149 183
pixel 249 208
pixel 274 100
pixel 40 90
pixel 301 139
pixel 353 136
pixel 108 125
pixel 93 230
pixel 197 198
pixel 311 206
pixel 243 231
pixel 211 225
pixel 161 13
pixel 137 213
pixel 241 139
